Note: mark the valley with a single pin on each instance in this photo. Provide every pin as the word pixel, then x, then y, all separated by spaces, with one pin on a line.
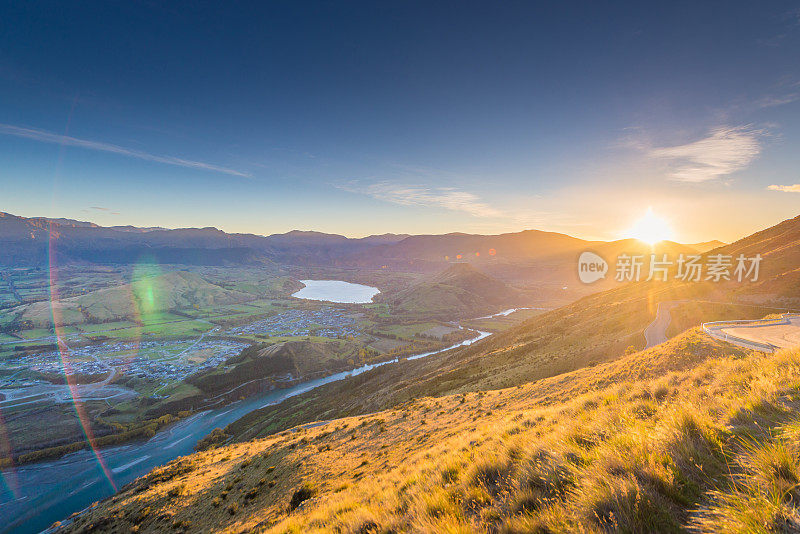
pixel 399 267
pixel 150 361
pixel 165 359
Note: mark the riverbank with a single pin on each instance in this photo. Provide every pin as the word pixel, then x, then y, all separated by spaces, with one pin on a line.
pixel 44 492
pixel 148 427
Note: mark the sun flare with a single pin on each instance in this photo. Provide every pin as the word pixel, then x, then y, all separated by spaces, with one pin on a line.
pixel 650 228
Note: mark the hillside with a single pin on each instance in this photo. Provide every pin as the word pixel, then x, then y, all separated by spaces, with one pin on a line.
pixel 170 291
pixel 779 277
pixel 458 291
pixel 706 246
pixel 692 435
pixel 555 425
pixel 596 329
pixel 261 366
pixel 593 330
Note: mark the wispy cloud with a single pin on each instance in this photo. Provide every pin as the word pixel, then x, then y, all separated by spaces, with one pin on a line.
pixel 723 152
pixel 49 137
pixel 438 197
pixel 773 101
pixel 100 208
pixel 785 188
pixel 790 21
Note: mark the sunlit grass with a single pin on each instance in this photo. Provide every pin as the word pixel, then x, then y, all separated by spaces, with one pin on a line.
pixel 711 444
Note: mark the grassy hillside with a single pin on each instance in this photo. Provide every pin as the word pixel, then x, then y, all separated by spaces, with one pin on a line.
pixel 173 290
pixel 692 435
pixel 779 277
pixel 459 291
pixel 261 365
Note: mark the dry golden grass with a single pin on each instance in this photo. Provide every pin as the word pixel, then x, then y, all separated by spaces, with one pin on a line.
pixel 693 435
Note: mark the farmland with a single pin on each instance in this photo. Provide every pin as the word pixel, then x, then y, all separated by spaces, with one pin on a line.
pixel 139 343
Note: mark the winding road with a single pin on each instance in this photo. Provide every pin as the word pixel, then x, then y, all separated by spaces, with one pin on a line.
pixel 767 336
pixel 656 332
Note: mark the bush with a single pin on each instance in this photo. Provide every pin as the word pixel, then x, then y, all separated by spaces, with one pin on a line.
pixel 303 493
pixel 216 438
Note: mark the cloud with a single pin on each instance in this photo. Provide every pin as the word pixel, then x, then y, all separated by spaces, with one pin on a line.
pixel 49 137
pixel 773 101
pixel 439 197
pixel 723 152
pixel 98 208
pixel 785 188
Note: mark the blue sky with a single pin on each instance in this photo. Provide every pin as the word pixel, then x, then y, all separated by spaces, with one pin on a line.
pixel 417 117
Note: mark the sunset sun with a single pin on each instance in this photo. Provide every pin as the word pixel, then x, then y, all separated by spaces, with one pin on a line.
pixel 651 229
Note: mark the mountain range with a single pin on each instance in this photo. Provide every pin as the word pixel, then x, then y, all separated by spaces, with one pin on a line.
pixel 520 256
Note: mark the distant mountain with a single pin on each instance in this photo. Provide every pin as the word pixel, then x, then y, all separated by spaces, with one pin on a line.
pixel 73 223
pixel 546 260
pixel 384 238
pixel 43 221
pixel 524 255
pixel 307 238
pixel 136 229
pixel 458 246
pixel 32 241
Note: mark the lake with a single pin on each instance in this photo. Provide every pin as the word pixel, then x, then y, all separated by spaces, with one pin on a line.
pixel 336 291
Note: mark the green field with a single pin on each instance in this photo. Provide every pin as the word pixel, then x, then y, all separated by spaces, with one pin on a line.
pixel 405 330
pixel 92 328
pixel 178 329
pixel 36 333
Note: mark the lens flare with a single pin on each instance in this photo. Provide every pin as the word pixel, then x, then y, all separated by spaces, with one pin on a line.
pixel 63 350
pixel 8 477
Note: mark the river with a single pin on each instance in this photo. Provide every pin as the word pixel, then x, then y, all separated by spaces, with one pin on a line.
pixel 34 496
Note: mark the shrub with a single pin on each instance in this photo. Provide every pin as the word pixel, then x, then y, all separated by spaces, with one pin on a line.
pixel 491 474
pixel 303 493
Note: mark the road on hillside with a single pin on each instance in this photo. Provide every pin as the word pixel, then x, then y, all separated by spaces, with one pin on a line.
pixel 779 335
pixel 786 334
pixel 656 332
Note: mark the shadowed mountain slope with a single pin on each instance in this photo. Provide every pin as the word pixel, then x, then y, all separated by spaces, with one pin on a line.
pixel 459 291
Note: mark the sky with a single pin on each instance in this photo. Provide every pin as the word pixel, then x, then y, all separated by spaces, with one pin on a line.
pixel 408 117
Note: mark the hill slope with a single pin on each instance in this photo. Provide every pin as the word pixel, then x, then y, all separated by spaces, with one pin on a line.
pixel 587 436
pixel 779 277
pixel 690 435
pixel 173 290
pixel 459 291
